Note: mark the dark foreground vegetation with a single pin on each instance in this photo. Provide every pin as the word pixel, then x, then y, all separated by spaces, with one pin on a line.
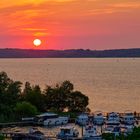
pixel 135 135
pixel 17 102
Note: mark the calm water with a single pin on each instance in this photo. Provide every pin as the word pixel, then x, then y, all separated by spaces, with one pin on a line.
pixel 111 84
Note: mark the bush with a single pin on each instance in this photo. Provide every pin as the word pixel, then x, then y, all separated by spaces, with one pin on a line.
pixel 108 136
pixel 2 137
pixel 25 109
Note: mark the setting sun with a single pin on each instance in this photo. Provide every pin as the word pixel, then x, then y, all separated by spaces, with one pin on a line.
pixel 37 42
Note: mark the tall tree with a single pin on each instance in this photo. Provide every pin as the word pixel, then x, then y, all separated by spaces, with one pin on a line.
pixel 9 93
pixel 67 86
pixel 63 97
pixel 78 102
pixel 35 97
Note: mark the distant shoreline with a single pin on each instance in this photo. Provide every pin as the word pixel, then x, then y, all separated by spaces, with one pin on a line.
pixel 73 53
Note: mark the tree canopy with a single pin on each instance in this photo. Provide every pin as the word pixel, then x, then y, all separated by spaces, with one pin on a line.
pixel 28 99
pixel 25 109
pixel 66 98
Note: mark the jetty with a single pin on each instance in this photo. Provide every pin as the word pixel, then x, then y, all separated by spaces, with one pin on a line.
pixel 27 136
pixel 20 123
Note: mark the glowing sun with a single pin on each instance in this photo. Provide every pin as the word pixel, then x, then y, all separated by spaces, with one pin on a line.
pixel 37 42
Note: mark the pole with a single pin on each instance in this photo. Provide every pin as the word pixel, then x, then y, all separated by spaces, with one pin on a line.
pixel 82 130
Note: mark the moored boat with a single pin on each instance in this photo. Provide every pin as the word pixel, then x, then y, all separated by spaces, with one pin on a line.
pixel 91 133
pixel 82 119
pixel 113 119
pixel 128 118
pixel 67 132
pixel 51 119
pixel 33 134
pixel 113 130
pixel 126 129
pixel 98 118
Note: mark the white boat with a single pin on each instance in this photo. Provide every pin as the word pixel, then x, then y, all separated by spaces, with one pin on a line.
pixel 116 130
pixel 126 129
pixel 91 133
pixel 108 129
pixel 34 133
pixel 98 118
pixel 128 118
pixel 67 132
pixel 82 119
pixel 51 119
pixel 113 119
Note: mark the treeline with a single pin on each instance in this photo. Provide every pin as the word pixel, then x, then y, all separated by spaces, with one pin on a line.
pixel 17 101
pixel 73 53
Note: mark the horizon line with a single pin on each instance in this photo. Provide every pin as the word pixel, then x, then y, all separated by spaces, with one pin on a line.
pixel 67 49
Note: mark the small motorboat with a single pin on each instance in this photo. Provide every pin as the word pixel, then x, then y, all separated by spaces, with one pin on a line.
pixel 128 118
pixel 33 134
pixel 126 129
pixel 67 132
pixel 98 118
pixel 91 133
pixel 82 119
pixel 116 130
pixel 113 119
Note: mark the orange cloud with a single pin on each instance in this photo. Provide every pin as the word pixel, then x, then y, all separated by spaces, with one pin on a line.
pixel 68 18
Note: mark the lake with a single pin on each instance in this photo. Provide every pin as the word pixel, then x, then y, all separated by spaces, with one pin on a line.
pixel 112 84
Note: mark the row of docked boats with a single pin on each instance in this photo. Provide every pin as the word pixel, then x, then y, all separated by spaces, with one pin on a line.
pixel 98 118
pixel 113 118
pixel 66 133
pixel 89 132
pixel 113 123
pixel 92 132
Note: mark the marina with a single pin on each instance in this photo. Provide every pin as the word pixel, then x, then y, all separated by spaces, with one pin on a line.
pixel 91 130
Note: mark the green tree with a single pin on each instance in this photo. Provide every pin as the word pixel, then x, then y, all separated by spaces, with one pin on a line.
pixel 67 86
pixel 135 135
pixel 9 93
pixel 27 88
pixel 78 102
pixel 13 92
pixel 5 81
pixel 108 136
pixel 63 97
pixel 25 109
pixel 2 137
pixel 58 98
pixel 55 98
pixel 35 97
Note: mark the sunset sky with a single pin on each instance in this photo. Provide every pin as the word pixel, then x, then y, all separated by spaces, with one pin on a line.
pixel 70 24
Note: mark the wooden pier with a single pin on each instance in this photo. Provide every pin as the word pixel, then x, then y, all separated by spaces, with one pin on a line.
pixel 13 124
pixel 27 136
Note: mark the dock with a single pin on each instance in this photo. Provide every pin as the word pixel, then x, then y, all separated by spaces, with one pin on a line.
pixel 13 124
pixel 27 136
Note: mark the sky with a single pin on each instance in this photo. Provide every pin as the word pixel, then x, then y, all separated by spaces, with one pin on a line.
pixel 70 24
